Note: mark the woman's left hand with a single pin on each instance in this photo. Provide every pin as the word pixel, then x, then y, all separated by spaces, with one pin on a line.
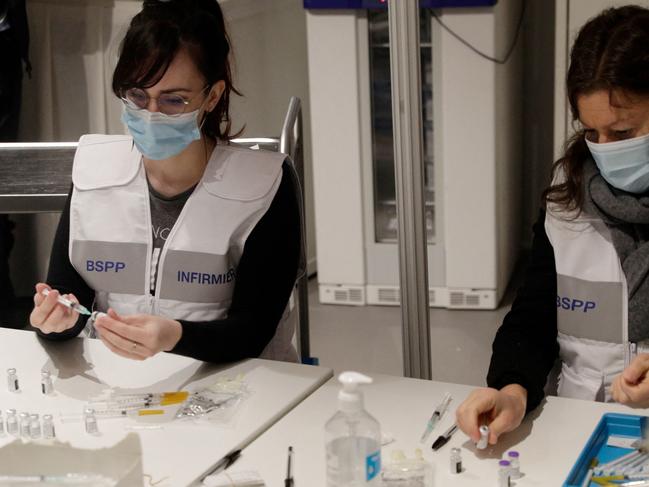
pixel 138 337
pixel 631 387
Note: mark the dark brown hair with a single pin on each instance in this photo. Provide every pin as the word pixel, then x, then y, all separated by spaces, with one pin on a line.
pixel 156 35
pixel 611 52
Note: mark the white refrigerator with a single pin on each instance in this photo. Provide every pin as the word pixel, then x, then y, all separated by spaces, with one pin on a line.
pixel 472 116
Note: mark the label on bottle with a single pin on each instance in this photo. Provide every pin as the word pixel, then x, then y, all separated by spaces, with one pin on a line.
pixel 373 465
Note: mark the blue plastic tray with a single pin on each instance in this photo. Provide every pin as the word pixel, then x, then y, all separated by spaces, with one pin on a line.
pixel 628 425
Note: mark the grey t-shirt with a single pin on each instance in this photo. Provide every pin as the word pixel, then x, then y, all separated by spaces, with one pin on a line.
pixel 164 213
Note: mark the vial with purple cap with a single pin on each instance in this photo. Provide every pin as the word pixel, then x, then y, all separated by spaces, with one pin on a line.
pixel 514 460
pixel 504 473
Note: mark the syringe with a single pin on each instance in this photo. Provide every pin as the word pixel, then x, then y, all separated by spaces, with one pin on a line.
pixel 112 413
pixel 436 416
pixel 69 304
pixel 144 400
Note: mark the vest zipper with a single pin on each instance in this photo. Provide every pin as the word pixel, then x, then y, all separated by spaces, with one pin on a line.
pixel 165 246
pixel 629 347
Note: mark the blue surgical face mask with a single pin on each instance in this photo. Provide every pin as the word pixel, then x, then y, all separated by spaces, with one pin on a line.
pixel 624 164
pixel 158 136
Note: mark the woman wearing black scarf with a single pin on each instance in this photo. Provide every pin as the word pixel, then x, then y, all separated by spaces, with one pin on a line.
pixel 584 304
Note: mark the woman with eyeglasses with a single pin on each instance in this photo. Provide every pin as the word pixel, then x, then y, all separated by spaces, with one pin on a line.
pixel 584 303
pixel 188 243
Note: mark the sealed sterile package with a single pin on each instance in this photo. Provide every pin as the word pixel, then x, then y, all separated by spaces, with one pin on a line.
pixel 217 402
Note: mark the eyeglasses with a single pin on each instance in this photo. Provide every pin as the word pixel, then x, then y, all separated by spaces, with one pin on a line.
pixel 168 103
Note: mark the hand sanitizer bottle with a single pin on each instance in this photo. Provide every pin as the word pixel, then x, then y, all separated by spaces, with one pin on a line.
pixel 353 438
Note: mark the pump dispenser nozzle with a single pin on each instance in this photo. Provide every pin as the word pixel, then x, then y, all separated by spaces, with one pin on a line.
pixel 350 398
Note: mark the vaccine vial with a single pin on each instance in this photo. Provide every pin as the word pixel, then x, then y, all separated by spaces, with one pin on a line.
pixel 46 382
pixel 34 426
pixel 12 422
pixel 456 461
pixel 504 471
pixel 12 380
pixel 514 460
pixel 48 427
pixel 24 425
pixel 91 421
pixel 2 425
pixel 484 438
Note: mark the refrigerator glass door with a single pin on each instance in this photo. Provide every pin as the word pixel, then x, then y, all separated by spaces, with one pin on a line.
pixel 385 211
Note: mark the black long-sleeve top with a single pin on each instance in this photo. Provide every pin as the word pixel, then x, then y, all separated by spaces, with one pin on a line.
pixel 264 282
pixel 525 347
pixel 17 18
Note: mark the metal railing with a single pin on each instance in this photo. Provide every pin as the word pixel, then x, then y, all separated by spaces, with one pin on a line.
pixel 291 143
pixel 36 177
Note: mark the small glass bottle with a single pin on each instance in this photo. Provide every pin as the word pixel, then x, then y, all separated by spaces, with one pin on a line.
pixel 34 426
pixel 504 473
pixel 2 425
pixel 514 460
pixel 24 425
pixel 12 380
pixel 12 422
pixel 456 461
pixel 91 421
pixel 483 442
pixel 48 426
pixel 46 382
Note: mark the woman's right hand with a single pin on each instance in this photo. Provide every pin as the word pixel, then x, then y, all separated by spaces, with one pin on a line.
pixel 48 314
pixel 502 410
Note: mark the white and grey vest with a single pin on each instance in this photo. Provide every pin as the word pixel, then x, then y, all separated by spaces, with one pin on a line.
pixel 592 305
pixel 111 236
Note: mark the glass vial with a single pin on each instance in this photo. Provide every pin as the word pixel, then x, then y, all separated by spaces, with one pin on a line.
pixel 91 421
pixel 34 426
pixel 24 425
pixel 12 380
pixel 504 478
pixel 456 461
pixel 46 382
pixel 484 438
pixel 48 427
pixel 2 425
pixel 12 422
pixel 514 461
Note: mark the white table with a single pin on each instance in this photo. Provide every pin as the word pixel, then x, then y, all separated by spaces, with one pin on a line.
pixel 179 451
pixel 549 441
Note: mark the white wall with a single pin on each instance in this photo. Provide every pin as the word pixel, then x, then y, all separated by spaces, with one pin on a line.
pixel 269 43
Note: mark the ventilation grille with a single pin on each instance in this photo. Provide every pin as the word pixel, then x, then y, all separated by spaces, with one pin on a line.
pixel 456 299
pixel 387 295
pixel 348 295
pixel 463 299
pixel 356 295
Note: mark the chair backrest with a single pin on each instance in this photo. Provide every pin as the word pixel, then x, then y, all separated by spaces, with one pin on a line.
pixel 290 143
pixel 35 177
